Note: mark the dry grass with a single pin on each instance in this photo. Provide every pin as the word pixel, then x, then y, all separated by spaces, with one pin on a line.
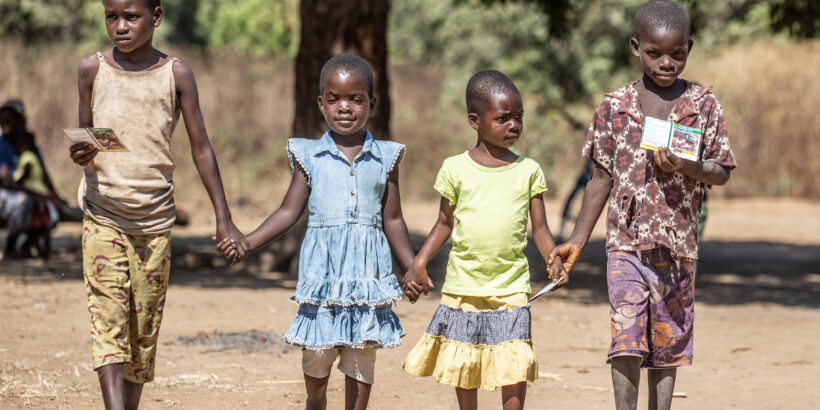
pixel 767 88
pixel 770 93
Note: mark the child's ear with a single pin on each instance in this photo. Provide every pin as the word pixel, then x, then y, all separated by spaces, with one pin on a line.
pixel 691 43
pixel 635 45
pixel 373 102
pixel 472 118
pixel 157 16
pixel 319 103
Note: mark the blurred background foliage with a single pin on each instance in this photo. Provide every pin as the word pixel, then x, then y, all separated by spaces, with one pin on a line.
pixel 562 54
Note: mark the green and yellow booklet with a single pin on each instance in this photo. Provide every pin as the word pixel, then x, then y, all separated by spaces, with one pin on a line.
pixel 683 141
pixel 104 139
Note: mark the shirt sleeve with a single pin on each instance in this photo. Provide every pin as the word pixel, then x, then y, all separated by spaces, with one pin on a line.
pixel 600 144
pixel 445 185
pixel 538 184
pixel 297 156
pixel 715 136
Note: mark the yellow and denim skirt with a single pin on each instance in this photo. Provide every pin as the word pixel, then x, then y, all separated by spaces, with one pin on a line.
pixel 477 342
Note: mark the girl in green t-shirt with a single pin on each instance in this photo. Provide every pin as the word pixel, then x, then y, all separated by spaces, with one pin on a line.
pixel 479 336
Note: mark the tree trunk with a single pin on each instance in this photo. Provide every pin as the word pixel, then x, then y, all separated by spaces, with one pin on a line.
pixel 329 28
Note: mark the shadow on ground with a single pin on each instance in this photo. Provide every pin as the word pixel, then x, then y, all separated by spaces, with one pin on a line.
pixel 729 273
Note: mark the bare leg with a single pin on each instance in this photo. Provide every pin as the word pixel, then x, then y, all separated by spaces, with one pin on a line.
pixel 111 384
pixel 357 394
pixel 316 392
pixel 626 374
pixel 661 387
pixel 467 399
pixel 512 396
pixel 133 392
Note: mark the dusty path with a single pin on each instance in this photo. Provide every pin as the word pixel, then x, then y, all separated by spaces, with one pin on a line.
pixel 758 321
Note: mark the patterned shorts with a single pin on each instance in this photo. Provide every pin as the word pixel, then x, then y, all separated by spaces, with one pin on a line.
pixel 359 364
pixel 651 305
pixel 126 277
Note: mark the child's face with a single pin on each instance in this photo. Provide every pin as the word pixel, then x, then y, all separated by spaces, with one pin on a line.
pixel 130 23
pixel 502 120
pixel 11 124
pixel 345 103
pixel 662 53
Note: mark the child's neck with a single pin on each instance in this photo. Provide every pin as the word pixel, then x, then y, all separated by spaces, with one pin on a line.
pixel 142 58
pixel 350 145
pixel 491 156
pixel 656 101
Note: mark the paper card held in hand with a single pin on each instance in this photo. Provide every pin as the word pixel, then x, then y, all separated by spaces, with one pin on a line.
pixel 546 289
pixel 103 139
pixel 683 141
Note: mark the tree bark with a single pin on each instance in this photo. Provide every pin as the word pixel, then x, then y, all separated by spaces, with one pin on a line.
pixel 329 28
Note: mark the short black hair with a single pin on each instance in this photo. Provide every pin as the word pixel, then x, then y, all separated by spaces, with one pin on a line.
pixel 662 14
pixel 483 85
pixel 153 4
pixel 350 64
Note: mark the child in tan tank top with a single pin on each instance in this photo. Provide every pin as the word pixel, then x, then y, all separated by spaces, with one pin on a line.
pixel 127 197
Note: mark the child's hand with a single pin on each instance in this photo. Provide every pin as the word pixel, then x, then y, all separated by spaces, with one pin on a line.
pixel 568 252
pixel 82 153
pixel 557 271
pixel 416 282
pixel 229 231
pixel 667 161
pixel 227 247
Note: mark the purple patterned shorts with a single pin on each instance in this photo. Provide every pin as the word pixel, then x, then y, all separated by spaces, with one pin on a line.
pixel 651 306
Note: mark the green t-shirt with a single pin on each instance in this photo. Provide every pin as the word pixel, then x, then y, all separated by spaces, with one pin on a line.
pixel 490 232
pixel 35 182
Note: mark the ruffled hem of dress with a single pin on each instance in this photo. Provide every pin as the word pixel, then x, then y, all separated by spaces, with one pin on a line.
pixel 325 327
pixel 369 344
pixel 361 292
pixel 469 366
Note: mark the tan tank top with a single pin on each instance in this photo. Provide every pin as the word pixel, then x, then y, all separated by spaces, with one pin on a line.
pixel 133 192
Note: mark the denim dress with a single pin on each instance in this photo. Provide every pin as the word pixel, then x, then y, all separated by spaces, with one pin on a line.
pixel 346 284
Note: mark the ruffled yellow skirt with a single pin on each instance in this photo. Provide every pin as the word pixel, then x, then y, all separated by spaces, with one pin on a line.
pixel 477 342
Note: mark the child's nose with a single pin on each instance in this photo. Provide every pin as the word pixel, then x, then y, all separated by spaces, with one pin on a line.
pixel 666 63
pixel 121 26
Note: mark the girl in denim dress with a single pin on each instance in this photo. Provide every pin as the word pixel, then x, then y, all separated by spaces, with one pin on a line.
pixel 346 283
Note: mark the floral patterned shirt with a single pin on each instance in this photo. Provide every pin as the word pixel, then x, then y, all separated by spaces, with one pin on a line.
pixel 648 207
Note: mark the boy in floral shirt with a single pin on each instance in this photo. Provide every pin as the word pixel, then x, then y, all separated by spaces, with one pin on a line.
pixel 654 201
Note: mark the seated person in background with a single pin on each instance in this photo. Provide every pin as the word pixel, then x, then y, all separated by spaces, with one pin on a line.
pixel 32 200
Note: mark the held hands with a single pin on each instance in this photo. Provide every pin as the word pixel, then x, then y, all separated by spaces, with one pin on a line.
pixel 233 244
pixel 667 161
pixel 416 282
pixel 82 153
pixel 557 271
pixel 565 255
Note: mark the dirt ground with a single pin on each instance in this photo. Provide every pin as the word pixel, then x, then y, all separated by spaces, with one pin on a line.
pixel 758 294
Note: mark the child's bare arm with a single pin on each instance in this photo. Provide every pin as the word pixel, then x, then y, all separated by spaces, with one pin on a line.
pixel 395 229
pixel 281 220
pixel 416 280
pixel 595 197
pixel 708 172
pixel 203 155
pixel 82 153
pixel 543 239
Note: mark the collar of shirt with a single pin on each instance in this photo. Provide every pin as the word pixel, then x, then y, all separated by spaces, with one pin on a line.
pixel 685 107
pixel 327 144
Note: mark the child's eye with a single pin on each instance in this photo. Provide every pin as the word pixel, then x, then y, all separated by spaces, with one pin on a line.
pixel 133 17
pixel 110 17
